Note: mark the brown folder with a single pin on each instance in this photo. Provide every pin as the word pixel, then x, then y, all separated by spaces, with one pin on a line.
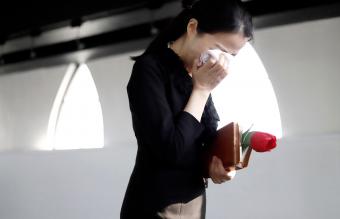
pixel 227 146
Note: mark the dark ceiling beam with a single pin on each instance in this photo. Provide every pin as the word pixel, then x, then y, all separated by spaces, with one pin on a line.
pixel 264 7
pixel 138 32
pixel 19 18
pixel 84 27
pixel 315 12
pixel 78 56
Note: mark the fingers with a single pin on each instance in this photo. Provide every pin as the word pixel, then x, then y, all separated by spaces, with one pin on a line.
pixel 226 63
pixel 219 70
pixel 222 59
pixel 220 74
pixel 219 64
pixel 212 72
pixel 221 180
pixel 208 65
pixel 219 174
pixel 195 65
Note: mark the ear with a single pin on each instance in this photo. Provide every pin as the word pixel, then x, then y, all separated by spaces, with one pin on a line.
pixel 192 27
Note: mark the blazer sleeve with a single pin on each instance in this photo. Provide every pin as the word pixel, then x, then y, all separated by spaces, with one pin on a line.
pixel 169 138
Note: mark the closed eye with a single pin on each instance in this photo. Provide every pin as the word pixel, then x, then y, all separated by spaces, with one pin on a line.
pixel 224 50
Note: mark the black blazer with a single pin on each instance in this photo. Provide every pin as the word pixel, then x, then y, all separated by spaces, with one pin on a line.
pixel 168 167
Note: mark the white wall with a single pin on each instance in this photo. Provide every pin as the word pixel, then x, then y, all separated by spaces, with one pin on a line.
pixel 88 183
pixel 111 76
pixel 303 61
pixel 25 102
pixel 65 184
pixel 299 179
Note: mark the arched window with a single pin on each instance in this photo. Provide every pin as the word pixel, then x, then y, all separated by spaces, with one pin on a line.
pixel 76 119
pixel 246 95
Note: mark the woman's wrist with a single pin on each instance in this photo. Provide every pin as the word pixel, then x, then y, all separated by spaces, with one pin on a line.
pixel 204 93
pixel 196 103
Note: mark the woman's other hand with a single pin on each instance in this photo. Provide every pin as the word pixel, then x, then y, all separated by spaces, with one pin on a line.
pixel 217 172
pixel 209 75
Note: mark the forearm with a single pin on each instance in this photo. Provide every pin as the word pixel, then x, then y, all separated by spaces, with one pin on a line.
pixel 196 103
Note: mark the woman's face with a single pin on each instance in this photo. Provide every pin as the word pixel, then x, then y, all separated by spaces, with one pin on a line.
pixel 196 43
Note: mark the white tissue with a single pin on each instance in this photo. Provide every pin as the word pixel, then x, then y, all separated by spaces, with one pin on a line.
pixel 232 173
pixel 215 53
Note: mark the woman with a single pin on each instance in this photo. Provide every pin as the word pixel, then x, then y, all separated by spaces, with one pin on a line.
pixel 172 110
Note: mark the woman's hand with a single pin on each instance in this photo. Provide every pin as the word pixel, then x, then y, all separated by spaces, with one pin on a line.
pixel 205 78
pixel 209 75
pixel 217 172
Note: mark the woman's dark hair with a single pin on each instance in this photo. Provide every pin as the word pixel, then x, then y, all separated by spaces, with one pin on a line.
pixel 212 15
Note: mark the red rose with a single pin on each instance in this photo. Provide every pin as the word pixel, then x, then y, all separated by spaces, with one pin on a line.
pixel 259 141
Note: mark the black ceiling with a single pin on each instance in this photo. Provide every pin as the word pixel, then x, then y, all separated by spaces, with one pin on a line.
pixel 24 17
pixel 21 18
